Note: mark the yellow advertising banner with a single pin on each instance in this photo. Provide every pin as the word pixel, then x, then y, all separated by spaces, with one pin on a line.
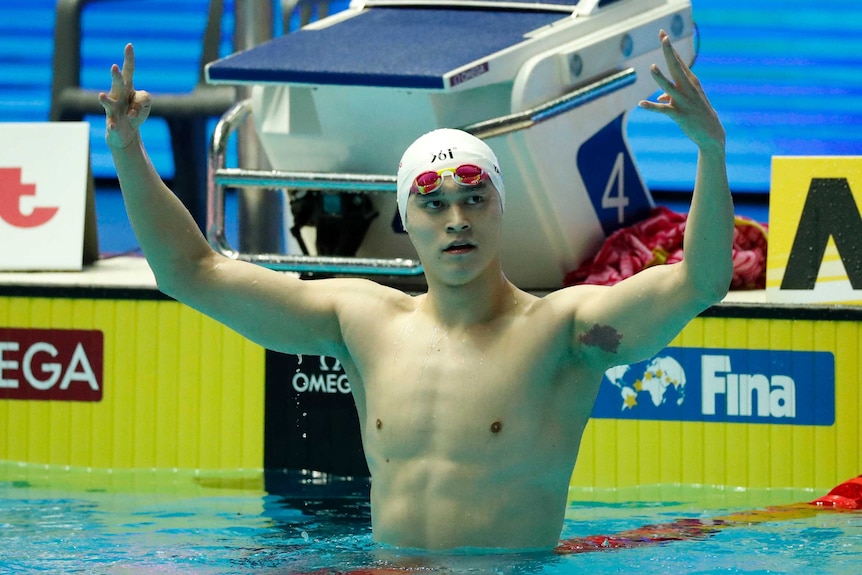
pixel 815 230
pixel 127 384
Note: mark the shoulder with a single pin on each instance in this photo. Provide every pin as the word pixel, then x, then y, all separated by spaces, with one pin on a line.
pixel 357 297
pixel 365 288
pixel 578 312
pixel 552 315
pixel 368 315
pixel 571 301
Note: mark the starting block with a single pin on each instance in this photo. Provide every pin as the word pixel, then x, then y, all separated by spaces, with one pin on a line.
pixel 548 85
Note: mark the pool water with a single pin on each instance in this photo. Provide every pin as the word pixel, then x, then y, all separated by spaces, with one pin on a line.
pixel 55 520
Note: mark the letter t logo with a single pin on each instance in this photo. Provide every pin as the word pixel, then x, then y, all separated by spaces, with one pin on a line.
pixel 11 191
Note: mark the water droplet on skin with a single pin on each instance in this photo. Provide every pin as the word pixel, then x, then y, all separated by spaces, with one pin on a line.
pixel 404 334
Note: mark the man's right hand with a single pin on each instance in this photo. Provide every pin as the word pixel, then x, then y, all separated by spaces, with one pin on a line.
pixel 125 108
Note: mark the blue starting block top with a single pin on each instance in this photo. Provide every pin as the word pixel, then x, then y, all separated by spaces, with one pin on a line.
pixel 403 47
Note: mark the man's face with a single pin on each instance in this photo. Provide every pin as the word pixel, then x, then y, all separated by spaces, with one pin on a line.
pixel 456 230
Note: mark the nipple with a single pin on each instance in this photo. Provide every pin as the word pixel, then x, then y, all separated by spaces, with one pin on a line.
pixel 496 427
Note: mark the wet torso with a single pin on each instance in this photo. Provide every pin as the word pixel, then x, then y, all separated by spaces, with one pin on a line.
pixel 470 433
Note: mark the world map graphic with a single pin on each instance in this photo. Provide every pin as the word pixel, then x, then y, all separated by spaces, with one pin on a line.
pixel 661 382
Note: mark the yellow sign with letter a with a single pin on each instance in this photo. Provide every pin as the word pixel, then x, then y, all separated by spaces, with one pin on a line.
pixel 815 230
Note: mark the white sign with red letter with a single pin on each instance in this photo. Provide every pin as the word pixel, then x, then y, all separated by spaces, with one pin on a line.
pixel 43 194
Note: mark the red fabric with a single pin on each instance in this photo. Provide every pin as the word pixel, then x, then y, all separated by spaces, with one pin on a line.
pixel 658 240
pixel 848 495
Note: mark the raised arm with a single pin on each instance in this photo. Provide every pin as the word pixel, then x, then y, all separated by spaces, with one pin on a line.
pixel 637 317
pixel 273 309
pixel 164 228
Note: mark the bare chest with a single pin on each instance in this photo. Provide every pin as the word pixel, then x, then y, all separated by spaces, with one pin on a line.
pixel 455 395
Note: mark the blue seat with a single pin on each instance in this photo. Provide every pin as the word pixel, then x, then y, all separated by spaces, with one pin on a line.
pixel 415 49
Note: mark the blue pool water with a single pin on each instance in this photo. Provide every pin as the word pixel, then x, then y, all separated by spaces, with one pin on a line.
pixel 79 521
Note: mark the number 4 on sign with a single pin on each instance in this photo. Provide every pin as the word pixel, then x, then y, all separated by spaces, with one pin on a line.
pixel 615 190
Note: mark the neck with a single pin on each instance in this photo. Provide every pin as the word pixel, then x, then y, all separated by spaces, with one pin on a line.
pixel 478 301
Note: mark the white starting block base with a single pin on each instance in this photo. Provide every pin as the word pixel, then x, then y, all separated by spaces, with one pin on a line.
pixel 570 180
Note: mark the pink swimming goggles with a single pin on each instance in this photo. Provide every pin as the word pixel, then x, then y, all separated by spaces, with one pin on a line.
pixel 469 175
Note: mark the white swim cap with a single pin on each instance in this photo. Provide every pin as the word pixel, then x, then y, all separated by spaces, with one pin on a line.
pixel 441 149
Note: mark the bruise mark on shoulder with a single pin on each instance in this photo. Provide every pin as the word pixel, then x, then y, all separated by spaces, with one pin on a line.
pixel 603 337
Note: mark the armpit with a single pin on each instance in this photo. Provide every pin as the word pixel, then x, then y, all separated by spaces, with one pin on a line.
pixel 603 337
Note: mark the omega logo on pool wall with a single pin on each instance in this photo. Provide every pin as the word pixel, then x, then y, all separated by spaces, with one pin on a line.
pixel 318 374
pixel 723 385
pixel 310 420
pixel 57 364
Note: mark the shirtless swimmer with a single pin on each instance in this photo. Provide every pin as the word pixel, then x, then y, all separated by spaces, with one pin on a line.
pixel 472 397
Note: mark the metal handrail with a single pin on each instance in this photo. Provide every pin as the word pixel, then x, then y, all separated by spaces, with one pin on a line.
pixel 568 101
pixel 220 177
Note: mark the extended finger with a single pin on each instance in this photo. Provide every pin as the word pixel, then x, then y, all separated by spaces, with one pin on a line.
pixel 106 102
pixel 117 84
pixel 128 64
pixel 663 83
pixel 656 107
pixel 679 71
